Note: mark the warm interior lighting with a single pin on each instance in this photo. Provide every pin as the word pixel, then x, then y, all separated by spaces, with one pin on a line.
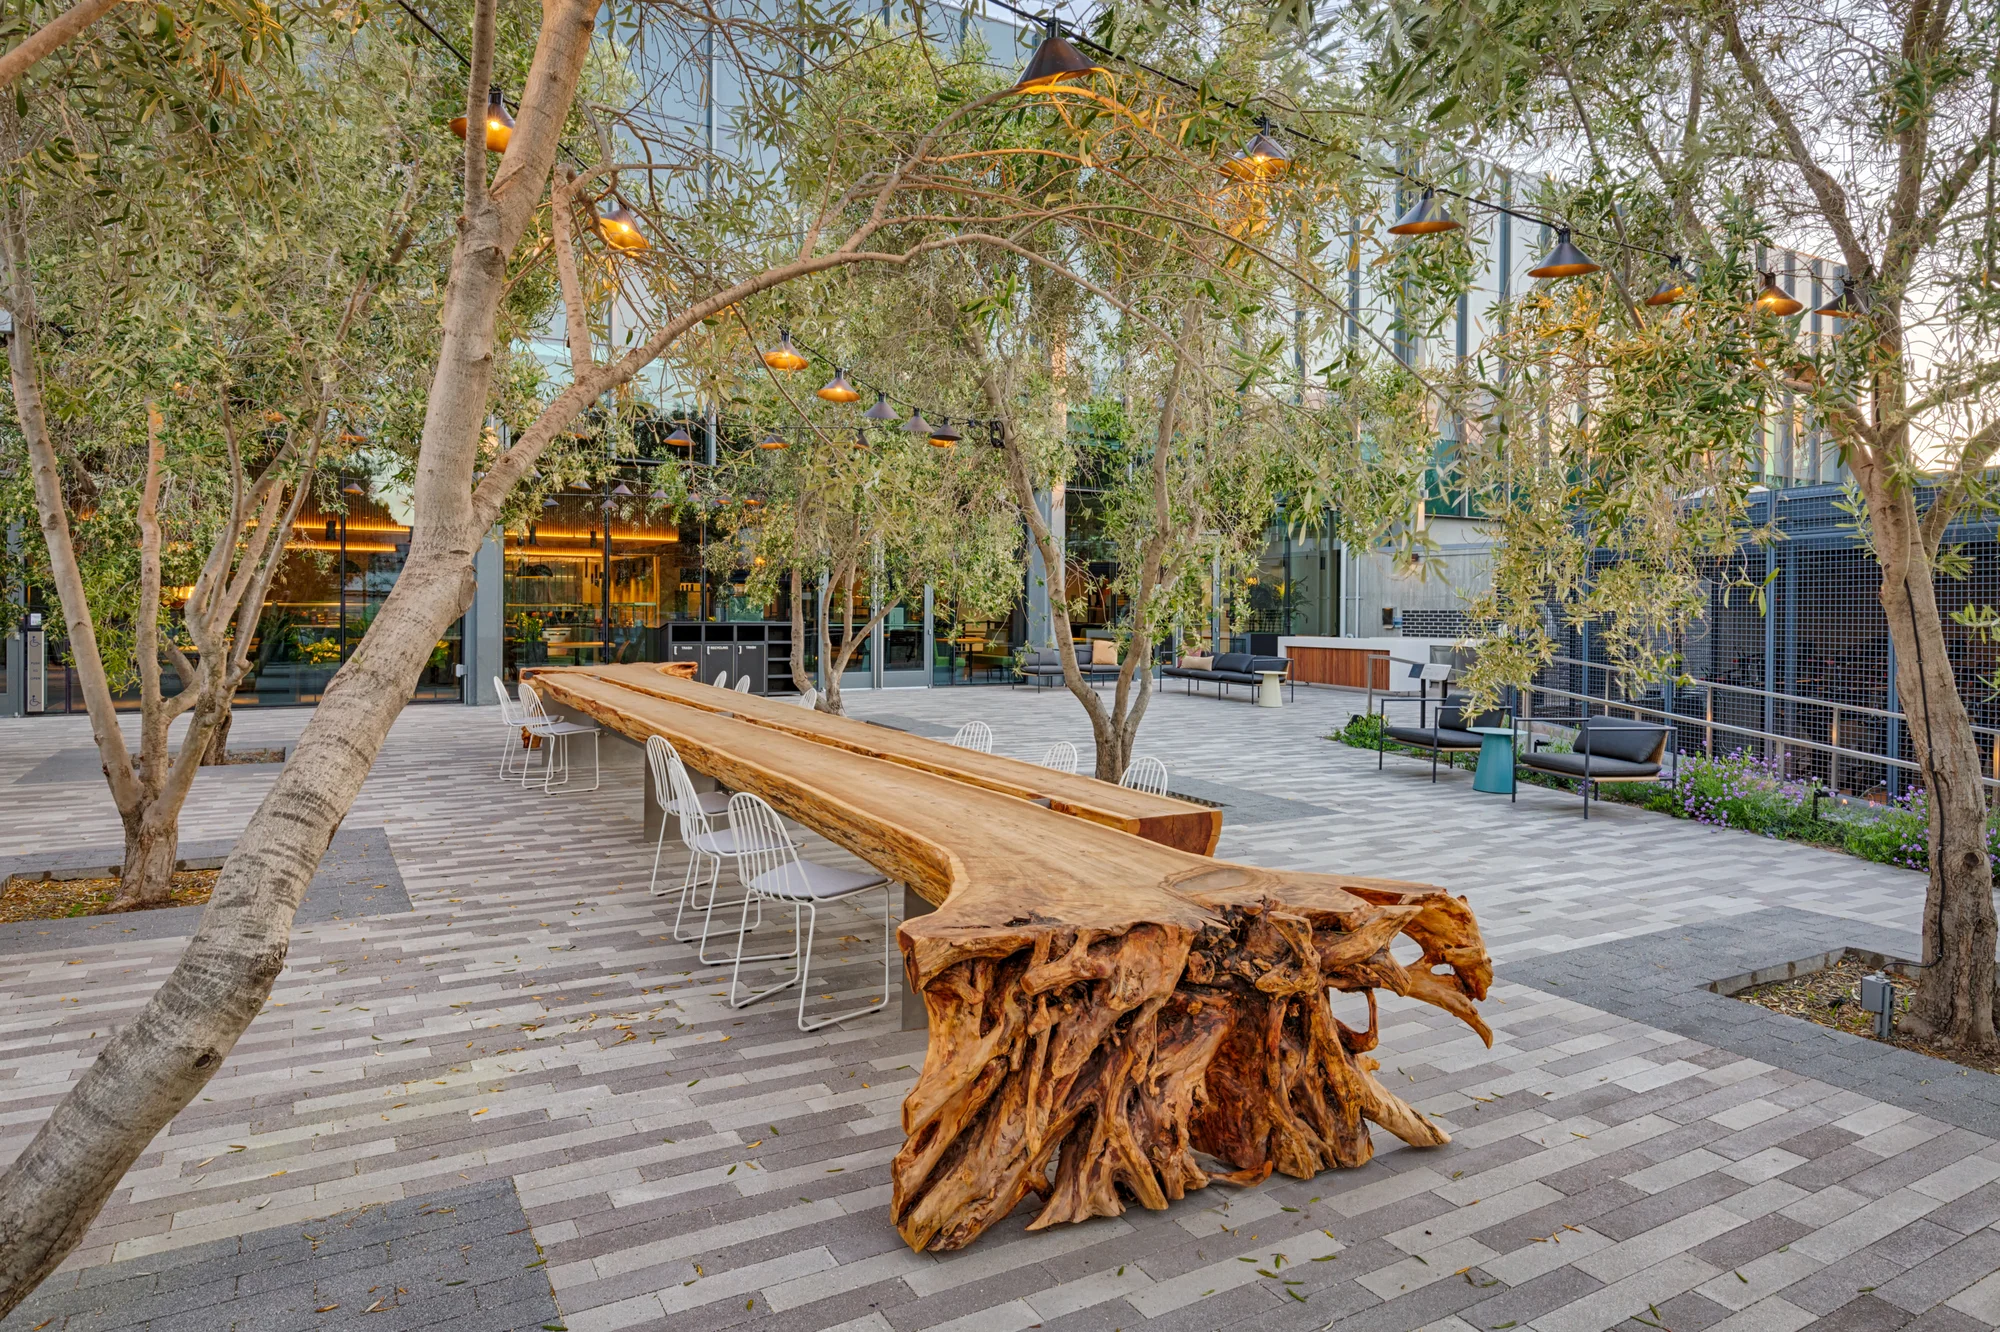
pixel 1426 217
pixel 499 125
pixel 1055 61
pixel 838 389
pixel 620 229
pixel 1772 300
pixel 1565 260
pixel 784 356
pixel 1263 158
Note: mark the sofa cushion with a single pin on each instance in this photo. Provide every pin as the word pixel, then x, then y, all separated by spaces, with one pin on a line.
pixel 1103 652
pixel 1617 738
pixel 1571 765
pixel 1452 714
pixel 1239 662
pixel 1194 663
pixel 1432 737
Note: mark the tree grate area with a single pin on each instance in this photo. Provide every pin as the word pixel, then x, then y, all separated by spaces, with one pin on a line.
pixel 1831 997
pixel 24 898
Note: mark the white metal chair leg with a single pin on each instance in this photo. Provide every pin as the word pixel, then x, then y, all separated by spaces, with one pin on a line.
pixel 805 973
pixel 736 972
pixel 748 900
pixel 689 883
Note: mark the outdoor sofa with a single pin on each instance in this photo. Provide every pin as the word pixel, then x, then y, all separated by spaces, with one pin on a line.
pixel 1043 669
pixel 1230 668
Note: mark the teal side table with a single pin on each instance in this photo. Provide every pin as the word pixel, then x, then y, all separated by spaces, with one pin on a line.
pixel 1495 774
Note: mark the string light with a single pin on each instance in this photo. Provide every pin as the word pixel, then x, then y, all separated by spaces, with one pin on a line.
pixel 499 125
pixel 1673 287
pixel 773 440
pixel 784 356
pixel 680 438
pixel 837 389
pixel 1426 217
pixel 1847 305
pixel 881 411
pixel 1262 158
pixel 1055 61
pixel 1774 300
pixel 620 229
pixel 1565 260
pixel 942 435
pixel 916 425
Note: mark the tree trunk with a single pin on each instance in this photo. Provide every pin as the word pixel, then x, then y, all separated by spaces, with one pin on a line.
pixel 218 744
pixel 800 680
pixel 1954 1000
pixel 151 846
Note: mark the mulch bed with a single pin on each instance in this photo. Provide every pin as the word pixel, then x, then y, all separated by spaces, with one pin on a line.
pixel 1832 998
pixel 58 899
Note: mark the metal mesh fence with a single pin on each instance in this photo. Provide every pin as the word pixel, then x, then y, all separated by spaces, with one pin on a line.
pixel 1814 662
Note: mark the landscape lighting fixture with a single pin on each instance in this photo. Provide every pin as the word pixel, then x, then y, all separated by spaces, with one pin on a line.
pixel 784 356
pixel 1055 61
pixel 837 389
pixel 1263 157
pixel 916 425
pixel 620 229
pixel 773 440
pixel 680 438
pixel 499 125
pixel 942 435
pixel 1565 260
pixel 1843 306
pixel 1426 217
pixel 881 411
pixel 1673 287
pixel 1773 300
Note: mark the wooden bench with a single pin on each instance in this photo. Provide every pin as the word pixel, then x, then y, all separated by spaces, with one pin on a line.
pixel 1107 1002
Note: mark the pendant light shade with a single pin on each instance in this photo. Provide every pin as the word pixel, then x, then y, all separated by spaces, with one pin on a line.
pixel 620 229
pixel 680 438
pixel 1426 217
pixel 658 495
pixel 1055 61
pixel 773 440
pixel 838 389
pixel 1565 260
pixel 499 125
pixel 916 425
pixel 784 356
pixel 622 490
pixel 943 436
pixel 881 411
pixel 1847 305
pixel 549 502
pixel 1263 158
pixel 1773 300
pixel 860 438
pixel 352 487
pixel 1673 287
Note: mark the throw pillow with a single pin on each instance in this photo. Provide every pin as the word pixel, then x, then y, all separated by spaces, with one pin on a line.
pixel 1103 652
pixel 1194 663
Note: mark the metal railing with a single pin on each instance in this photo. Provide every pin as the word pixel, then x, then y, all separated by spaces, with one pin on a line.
pixel 1774 744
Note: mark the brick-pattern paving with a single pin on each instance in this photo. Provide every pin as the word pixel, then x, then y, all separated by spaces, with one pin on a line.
pixel 531 1022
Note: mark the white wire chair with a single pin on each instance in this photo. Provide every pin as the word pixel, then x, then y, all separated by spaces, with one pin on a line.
pixel 555 736
pixel 1147 774
pixel 721 680
pixel 974 735
pixel 768 863
pixel 660 757
pixel 810 699
pixel 1061 756
pixel 707 847
pixel 512 719
pixel 743 685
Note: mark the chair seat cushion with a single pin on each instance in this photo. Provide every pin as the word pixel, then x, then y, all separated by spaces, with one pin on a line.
pixel 710 802
pixel 803 879
pixel 720 842
pixel 1571 765
pixel 1432 737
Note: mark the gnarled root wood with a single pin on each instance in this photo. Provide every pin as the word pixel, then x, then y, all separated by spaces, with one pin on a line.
pixel 1091 1064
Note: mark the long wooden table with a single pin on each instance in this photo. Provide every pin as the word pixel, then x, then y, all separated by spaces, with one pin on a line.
pixel 1110 1001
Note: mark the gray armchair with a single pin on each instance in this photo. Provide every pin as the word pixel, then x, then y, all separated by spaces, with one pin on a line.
pixel 1607 749
pixel 1442 733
